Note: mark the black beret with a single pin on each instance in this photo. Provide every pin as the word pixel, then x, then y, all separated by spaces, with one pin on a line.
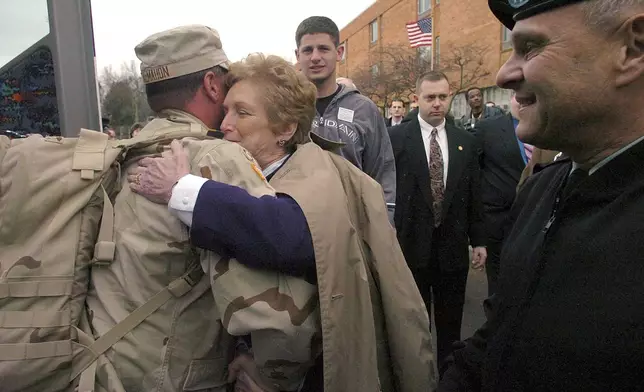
pixel 510 11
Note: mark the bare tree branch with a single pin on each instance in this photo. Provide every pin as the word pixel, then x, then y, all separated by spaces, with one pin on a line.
pixel 400 66
pixel 468 63
pixel 398 69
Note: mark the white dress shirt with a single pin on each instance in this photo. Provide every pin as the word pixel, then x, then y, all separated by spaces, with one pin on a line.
pixel 185 193
pixel 426 132
pixel 184 197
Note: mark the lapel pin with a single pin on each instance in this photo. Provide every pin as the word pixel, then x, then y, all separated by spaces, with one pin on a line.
pixel 460 148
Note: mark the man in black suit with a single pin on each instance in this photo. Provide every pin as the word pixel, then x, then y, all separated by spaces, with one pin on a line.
pixel 438 209
pixel 503 158
pixel 397 112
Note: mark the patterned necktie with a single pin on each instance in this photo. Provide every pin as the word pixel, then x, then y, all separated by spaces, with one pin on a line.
pixel 436 176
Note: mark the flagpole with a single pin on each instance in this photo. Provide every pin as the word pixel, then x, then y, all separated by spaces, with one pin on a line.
pixel 432 47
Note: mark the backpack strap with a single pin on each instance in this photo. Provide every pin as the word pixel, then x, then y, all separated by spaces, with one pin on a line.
pixel 105 248
pixel 87 380
pixel 89 159
pixel 177 288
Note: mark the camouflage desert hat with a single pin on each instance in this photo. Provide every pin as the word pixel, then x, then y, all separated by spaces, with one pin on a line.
pixel 510 11
pixel 180 51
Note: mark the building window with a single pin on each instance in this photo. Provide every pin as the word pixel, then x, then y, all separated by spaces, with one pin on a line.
pixel 425 56
pixel 373 31
pixel 438 2
pixel 344 52
pixel 424 6
pixel 506 38
pixel 375 70
pixel 437 56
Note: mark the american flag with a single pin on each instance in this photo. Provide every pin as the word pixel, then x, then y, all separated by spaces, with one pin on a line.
pixel 420 33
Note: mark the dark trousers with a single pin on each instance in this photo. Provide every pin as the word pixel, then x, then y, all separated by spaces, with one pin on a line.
pixel 492 265
pixel 447 292
pixel 314 381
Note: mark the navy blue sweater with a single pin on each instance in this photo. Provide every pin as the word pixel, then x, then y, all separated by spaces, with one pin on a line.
pixel 263 233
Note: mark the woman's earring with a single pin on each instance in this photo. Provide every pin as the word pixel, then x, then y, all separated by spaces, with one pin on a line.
pixel 281 143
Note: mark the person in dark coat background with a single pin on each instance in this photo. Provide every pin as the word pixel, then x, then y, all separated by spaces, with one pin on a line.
pixel 503 158
pixel 478 110
pixel 567 315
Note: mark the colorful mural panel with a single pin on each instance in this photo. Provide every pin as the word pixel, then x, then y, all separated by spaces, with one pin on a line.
pixel 28 96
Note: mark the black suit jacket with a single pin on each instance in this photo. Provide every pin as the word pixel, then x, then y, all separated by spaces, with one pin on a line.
pixel 462 221
pixel 388 121
pixel 501 168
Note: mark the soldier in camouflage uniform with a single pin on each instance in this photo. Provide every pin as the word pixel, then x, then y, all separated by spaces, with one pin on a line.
pixel 185 345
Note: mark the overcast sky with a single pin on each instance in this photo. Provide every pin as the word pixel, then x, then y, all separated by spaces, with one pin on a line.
pixel 24 22
pixel 245 26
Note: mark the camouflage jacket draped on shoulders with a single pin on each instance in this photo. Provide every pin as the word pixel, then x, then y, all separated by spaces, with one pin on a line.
pixel 375 327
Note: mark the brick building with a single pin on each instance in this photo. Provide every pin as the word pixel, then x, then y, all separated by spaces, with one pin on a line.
pixel 456 24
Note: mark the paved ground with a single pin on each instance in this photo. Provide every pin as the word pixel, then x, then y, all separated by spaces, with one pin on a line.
pixel 473 316
pixel 476 292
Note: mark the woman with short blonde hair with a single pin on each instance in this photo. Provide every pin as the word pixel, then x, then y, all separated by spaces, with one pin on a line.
pixel 289 93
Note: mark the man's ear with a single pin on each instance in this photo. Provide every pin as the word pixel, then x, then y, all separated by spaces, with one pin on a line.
pixel 630 61
pixel 340 52
pixel 297 55
pixel 214 87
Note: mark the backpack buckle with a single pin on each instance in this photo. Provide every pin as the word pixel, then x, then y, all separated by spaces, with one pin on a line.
pixel 104 253
pixel 194 276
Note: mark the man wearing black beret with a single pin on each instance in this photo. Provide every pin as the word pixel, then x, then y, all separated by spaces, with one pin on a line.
pixel 569 311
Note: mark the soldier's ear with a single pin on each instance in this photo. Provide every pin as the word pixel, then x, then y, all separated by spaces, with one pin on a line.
pixel 630 61
pixel 213 86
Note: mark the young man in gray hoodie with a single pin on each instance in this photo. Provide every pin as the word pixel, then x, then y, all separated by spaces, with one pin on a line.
pixel 344 114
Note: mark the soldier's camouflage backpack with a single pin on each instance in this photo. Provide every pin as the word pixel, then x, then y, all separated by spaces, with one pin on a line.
pixel 64 248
